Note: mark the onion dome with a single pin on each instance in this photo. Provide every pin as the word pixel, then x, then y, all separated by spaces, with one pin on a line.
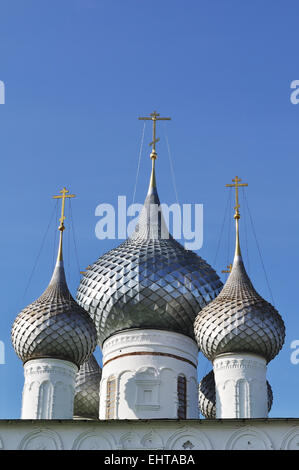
pixel 239 320
pixel 87 388
pixel 54 325
pixel 207 396
pixel 149 281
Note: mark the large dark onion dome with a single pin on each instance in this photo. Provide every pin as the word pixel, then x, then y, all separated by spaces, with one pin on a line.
pixel 239 320
pixel 87 387
pixel 207 396
pixel 149 281
pixel 54 325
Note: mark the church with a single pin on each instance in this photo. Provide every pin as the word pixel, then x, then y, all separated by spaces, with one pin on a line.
pixel 150 305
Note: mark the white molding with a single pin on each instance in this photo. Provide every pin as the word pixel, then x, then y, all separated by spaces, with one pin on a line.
pixel 291 439
pixel 41 439
pixel 248 437
pixel 148 340
pixel 157 434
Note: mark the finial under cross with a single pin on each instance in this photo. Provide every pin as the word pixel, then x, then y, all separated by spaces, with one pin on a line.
pixel 64 195
pixel 228 270
pixel 236 185
pixel 154 117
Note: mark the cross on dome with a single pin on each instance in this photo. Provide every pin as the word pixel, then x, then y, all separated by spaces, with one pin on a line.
pixel 64 195
pixel 229 268
pixel 236 185
pixel 154 117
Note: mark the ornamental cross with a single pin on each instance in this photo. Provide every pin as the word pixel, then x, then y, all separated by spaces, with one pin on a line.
pixel 228 270
pixel 154 117
pixel 236 185
pixel 83 272
pixel 64 195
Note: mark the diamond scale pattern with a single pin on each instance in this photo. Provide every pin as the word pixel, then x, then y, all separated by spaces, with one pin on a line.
pixel 149 281
pixel 207 396
pixel 54 326
pixel 86 403
pixel 157 301
pixel 239 320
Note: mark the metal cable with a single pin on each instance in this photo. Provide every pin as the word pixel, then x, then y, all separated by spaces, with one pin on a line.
pixel 55 236
pixel 139 159
pixel 39 253
pixel 258 247
pixel 229 229
pixel 246 240
pixel 171 164
pixel 74 237
pixel 69 243
pixel 222 227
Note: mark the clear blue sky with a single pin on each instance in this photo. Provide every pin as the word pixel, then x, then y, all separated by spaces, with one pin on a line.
pixel 78 73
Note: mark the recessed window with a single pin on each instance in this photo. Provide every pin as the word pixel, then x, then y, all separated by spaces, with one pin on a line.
pixel 182 397
pixel 147 395
pixel 110 399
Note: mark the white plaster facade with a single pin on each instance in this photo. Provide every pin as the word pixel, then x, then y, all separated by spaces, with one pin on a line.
pixel 229 434
pixel 241 386
pixel 145 365
pixel 49 389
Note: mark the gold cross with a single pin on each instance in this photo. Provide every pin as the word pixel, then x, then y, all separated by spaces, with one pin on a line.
pixel 154 117
pixel 236 185
pixel 229 269
pixel 64 195
pixel 83 272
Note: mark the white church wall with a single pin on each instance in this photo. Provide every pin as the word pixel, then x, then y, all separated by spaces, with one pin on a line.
pixel 229 434
pixel 49 389
pixel 145 365
pixel 241 386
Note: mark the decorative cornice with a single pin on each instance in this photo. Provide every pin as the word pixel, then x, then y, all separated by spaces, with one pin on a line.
pixel 53 369
pixel 158 339
pixel 234 363
pixel 145 335
pixel 150 353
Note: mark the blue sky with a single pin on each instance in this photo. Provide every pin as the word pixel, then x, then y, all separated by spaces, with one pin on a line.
pixel 78 73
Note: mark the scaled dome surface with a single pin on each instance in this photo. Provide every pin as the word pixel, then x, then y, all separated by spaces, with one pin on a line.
pixel 239 320
pixel 87 387
pixel 54 325
pixel 149 281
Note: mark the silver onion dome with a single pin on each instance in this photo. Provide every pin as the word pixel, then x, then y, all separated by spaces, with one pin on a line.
pixel 54 325
pixel 239 319
pixel 207 396
pixel 87 387
pixel 149 281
